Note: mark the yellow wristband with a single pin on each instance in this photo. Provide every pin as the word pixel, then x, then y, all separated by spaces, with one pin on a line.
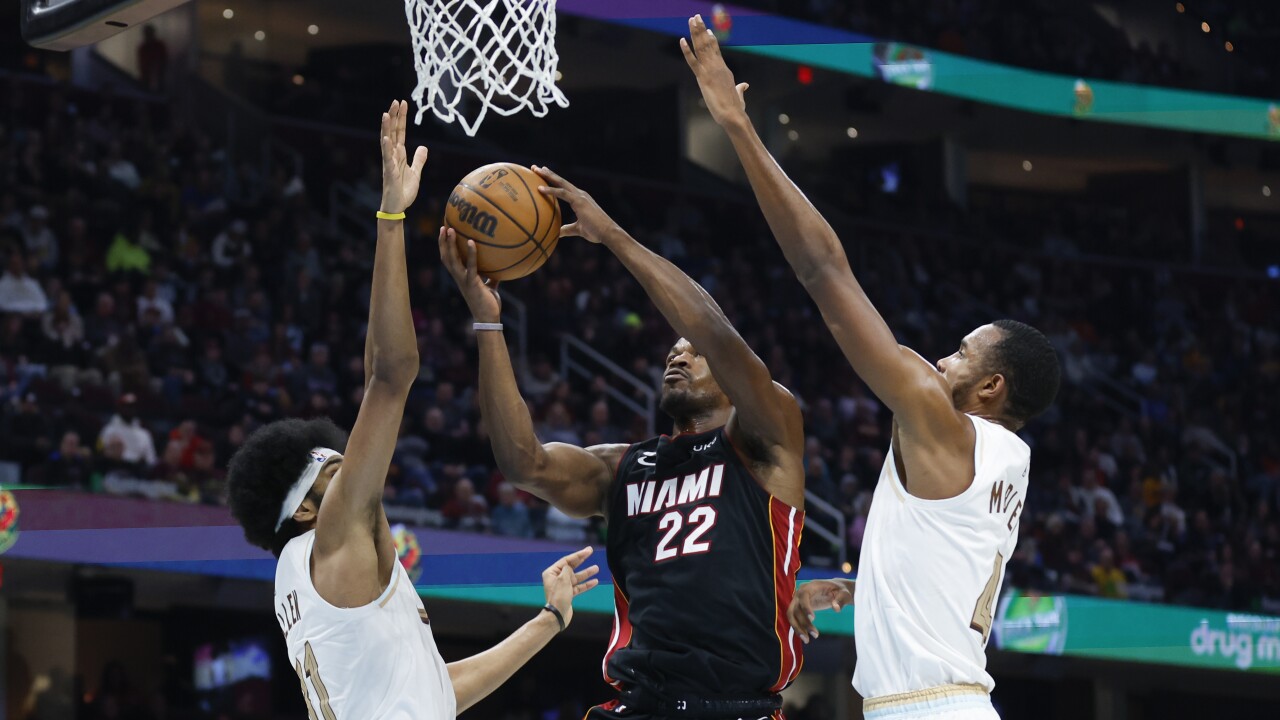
pixel 390 216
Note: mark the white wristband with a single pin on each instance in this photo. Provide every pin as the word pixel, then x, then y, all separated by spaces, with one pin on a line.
pixel 486 326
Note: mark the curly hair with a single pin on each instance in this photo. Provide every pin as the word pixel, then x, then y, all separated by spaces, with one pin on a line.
pixel 265 467
pixel 1030 365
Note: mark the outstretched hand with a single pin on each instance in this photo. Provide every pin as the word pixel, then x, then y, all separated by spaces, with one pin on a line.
pixel 590 222
pixel 725 99
pixel 480 293
pixel 400 178
pixel 563 584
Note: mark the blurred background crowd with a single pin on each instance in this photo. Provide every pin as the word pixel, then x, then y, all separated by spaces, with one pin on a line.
pixel 157 306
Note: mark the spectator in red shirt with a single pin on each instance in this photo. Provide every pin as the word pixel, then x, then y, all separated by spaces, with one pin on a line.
pixel 466 510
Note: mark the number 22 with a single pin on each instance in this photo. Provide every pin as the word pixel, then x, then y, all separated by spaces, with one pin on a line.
pixel 701 518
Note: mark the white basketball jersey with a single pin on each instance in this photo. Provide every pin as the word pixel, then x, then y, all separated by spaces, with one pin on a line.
pixel 930 572
pixel 378 661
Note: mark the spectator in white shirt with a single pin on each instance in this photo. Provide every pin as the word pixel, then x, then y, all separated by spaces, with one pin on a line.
pixel 562 528
pixel 149 300
pixel 127 428
pixel 1093 499
pixel 42 244
pixel 19 292
pixel 1168 525
pixel 231 246
pixel 540 379
pixel 1145 371
pixel 121 169
pixel 62 324
pixel 1105 462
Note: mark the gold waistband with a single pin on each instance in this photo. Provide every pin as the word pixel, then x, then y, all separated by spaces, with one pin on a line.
pixel 933 693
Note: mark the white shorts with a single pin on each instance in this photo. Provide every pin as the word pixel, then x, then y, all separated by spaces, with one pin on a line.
pixel 946 702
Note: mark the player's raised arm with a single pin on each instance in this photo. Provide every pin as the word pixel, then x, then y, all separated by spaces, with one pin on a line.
pixel 576 480
pixel 909 385
pixel 765 412
pixel 391 362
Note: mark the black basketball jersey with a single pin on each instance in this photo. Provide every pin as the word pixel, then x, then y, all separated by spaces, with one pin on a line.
pixel 704 566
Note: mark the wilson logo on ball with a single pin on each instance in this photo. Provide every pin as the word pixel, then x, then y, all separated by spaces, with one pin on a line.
pixel 483 222
pixel 493 177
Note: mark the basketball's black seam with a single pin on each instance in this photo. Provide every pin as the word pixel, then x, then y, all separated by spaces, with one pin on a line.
pixel 518 262
pixel 537 215
pixel 498 270
pixel 552 224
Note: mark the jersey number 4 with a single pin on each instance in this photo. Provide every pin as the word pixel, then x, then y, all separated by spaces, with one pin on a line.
pixel 308 669
pixel 701 519
pixel 984 611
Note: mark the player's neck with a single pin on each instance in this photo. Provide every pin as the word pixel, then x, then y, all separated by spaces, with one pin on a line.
pixel 987 408
pixel 700 422
pixel 991 417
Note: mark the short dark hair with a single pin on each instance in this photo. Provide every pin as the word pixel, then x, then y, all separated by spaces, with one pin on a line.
pixel 265 467
pixel 1029 365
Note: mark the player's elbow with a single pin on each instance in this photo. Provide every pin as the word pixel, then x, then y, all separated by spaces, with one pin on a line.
pixel 546 489
pixel 526 467
pixel 397 370
pixel 539 475
pixel 821 269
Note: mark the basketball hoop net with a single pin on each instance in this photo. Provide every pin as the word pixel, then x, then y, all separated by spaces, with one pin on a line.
pixel 501 51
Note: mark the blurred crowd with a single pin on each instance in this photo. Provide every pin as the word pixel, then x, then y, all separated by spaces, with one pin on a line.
pixel 159 303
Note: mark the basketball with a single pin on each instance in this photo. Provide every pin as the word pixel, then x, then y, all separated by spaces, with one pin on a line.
pixel 515 227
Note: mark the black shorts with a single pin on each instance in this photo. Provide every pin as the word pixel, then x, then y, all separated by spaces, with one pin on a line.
pixel 615 710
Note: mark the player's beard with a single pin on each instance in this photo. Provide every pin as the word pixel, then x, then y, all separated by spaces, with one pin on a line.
pixel 960 393
pixel 681 403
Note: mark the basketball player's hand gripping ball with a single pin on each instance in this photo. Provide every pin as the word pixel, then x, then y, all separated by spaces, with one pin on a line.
pixel 724 98
pixel 399 177
pixel 590 223
pixel 563 581
pixel 481 293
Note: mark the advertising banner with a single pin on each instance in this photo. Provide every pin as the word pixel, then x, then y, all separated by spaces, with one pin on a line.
pixel 844 51
pixel 1073 625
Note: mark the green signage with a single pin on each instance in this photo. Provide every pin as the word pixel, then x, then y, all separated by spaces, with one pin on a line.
pixel 1038 92
pixel 1070 625
pixel 1136 632
pixel 596 600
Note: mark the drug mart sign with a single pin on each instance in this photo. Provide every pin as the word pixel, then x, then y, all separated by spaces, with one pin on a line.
pixel 1137 632
pixel 1246 641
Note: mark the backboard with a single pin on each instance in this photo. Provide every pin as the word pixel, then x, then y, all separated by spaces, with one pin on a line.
pixel 69 24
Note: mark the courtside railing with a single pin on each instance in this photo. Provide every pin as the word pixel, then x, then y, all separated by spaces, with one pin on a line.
pixel 815 507
pixel 579 359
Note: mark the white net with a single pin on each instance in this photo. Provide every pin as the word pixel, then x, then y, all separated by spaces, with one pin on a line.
pixel 501 53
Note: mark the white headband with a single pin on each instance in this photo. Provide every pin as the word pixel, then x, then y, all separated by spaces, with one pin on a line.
pixel 316 460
